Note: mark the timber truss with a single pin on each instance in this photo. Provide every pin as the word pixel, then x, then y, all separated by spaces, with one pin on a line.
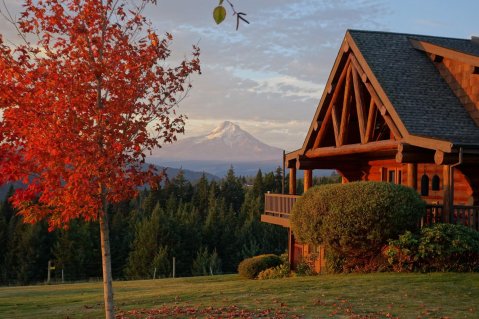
pixel 351 118
pixel 355 116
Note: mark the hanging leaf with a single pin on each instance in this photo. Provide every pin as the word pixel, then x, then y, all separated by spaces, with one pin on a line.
pixel 219 14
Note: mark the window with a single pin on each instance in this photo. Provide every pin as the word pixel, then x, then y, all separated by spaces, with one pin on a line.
pixel 391 175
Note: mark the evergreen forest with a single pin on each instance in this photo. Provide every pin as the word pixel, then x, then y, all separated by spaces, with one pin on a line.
pixel 204 228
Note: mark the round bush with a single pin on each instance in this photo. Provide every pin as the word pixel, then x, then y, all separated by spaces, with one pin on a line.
pixel 446 247
pixel 251 267
pixel 355 220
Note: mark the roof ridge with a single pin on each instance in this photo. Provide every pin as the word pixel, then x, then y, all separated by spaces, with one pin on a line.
pixel 406 34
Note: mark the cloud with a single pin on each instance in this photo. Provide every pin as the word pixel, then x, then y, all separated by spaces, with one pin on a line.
pixel 285 85
pixel 269 75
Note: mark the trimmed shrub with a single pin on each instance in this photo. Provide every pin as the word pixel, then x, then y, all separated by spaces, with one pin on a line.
pixel 308 213
pixel 355 220
pixel 251 267
pixel 441 247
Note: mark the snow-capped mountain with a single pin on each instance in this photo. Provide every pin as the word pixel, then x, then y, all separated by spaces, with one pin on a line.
pixel 226 143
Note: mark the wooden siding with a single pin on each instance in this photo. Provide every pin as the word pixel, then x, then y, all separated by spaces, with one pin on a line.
pixel 463 190
pixel 463 82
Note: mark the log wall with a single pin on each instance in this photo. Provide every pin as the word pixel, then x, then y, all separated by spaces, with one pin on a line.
pixel 463 82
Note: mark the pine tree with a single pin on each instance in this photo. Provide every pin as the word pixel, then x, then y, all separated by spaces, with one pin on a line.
pixel 232 190
pixel 145 246
pixel 200 196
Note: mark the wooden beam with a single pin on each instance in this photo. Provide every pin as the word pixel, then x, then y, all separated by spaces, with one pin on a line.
pixel 305 163
pixel 368 135
pixel 359 105
pixel 292 181
pixel 436 58
pixel 343 129
pixel 445 52
pixel 291 241
pixel 413 154
pixel 443 158
pixel 339 63
pixel 352 149
pixel 334 117
pixel 308 179
pixel 415 157
pixel 275 220
pixel 446 201
pixel 317 125
pixel 371 78
pixel 429 143
pixel 412 175
pixel 387 118
pixel 327 116
pixel 392 126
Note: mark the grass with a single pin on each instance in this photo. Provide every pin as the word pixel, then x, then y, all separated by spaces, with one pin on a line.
pixel 382 295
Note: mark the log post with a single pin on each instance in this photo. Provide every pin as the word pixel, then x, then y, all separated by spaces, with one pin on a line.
pixel 308 179
pixel 412 175
pixel 291 241
pixel 446 202
pixel 292 181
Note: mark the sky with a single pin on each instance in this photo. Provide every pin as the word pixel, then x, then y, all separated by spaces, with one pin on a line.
pixel 269 76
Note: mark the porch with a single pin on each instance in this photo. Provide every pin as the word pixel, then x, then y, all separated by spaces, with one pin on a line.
pixel 277 209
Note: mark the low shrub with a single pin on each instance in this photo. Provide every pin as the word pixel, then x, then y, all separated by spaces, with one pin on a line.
pixel 441 247
pixel 401 253
pixel 281 271
pixel 306 266
pixel 251 267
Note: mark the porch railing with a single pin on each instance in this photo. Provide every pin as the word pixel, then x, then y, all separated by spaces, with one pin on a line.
pixel 279 206
pixel 462 215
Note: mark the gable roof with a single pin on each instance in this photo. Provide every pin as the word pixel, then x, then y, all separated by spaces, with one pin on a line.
pixel 421 98
pixel 418 100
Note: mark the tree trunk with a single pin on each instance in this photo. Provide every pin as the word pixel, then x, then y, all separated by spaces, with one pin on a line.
pixel 106 264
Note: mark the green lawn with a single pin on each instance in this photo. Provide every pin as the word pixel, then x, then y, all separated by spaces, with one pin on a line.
pixel 384 295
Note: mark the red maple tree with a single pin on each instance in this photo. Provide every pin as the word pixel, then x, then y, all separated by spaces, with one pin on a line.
pixel 81 105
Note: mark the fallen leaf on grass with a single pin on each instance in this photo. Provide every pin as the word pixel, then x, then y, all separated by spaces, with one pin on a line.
pixel 207 312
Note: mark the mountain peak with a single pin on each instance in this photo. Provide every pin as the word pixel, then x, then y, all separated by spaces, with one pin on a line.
pixel 225 129
pixel 227 142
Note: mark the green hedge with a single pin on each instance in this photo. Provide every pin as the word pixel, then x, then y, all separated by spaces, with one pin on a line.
pixel 441 247
pixel 251 267
pixel 355 220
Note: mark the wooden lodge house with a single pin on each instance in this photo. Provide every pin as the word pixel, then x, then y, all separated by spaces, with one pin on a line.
pixel 398 108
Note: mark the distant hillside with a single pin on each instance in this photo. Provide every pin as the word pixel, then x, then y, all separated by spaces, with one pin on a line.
pixel 190 175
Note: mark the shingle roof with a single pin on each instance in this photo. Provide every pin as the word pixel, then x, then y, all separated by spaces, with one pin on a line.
pixel 421 97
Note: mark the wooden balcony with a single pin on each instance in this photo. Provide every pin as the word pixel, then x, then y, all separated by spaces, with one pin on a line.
pixel 277 208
